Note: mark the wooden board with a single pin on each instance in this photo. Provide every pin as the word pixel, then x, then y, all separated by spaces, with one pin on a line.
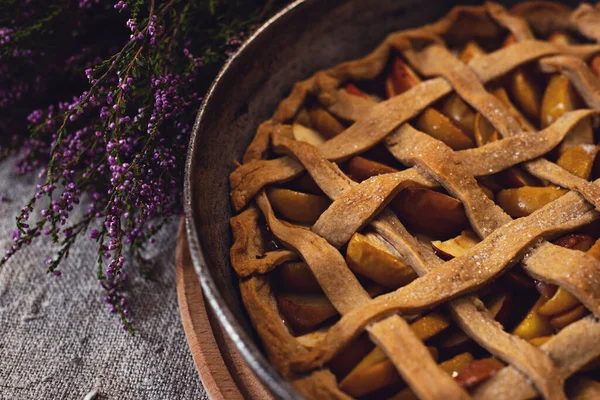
pixel 209 344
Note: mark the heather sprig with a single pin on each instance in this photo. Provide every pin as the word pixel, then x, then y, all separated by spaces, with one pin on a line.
pixel 116 90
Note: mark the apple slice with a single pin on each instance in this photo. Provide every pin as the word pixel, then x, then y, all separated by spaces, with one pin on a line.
pixel 361 168
pixel 425 328
pixel 538 341
pixel 580 134
pixel 305 134
pixel 524 88
pixel 518 280
pixel 352 89
pixel 560 303
pixel 514 177
pixel 370 379
pixel 460 113
pixel 575 241
pixel 295 277
pixel 368 256
pixel 325 123
pixel 440 127
pixel 430 325
pixel 595 65
pixel 561 321
pixel 526 91
pixel 483 130
pixel 400 79
pixel 305 183
pixel 457 364
pixel 534 324
pixel 373 377
pixel 514 111
pixel 578 160
pixel 296 206
pixel 304 312
pixel 455 247
pixel 471 51
pixel 560 96
pixel 431 213
pixel 547 290
pixel 561 38
pixel 478 371
pixel 343 362
pixel 522 201
pixel 455 341
pixel 500 306
pixel 453 367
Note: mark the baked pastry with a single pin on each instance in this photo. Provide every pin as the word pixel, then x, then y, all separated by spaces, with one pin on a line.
pixel 422 222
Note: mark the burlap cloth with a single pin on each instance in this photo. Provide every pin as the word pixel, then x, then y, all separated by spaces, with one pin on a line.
pixel 57 339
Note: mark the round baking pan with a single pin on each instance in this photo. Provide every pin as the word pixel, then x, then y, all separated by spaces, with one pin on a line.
pixel 306 36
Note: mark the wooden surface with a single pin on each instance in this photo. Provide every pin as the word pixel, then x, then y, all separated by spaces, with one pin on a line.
pixel 209 344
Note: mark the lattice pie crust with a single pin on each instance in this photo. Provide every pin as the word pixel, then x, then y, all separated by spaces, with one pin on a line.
pixel 347 300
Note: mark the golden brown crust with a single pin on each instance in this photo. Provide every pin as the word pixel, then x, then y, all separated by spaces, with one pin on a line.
pixel 517 25
pixel 320 385
pixel 247 254
pixel 262 309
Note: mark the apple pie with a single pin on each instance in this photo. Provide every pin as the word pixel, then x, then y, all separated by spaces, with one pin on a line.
pixel 423 222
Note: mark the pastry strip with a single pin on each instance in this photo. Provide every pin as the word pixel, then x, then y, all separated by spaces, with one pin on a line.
pixel 320 385
pixel 516 25
pixel 261 305
pixel 247 254
pixel 586 19
pixel 577 272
